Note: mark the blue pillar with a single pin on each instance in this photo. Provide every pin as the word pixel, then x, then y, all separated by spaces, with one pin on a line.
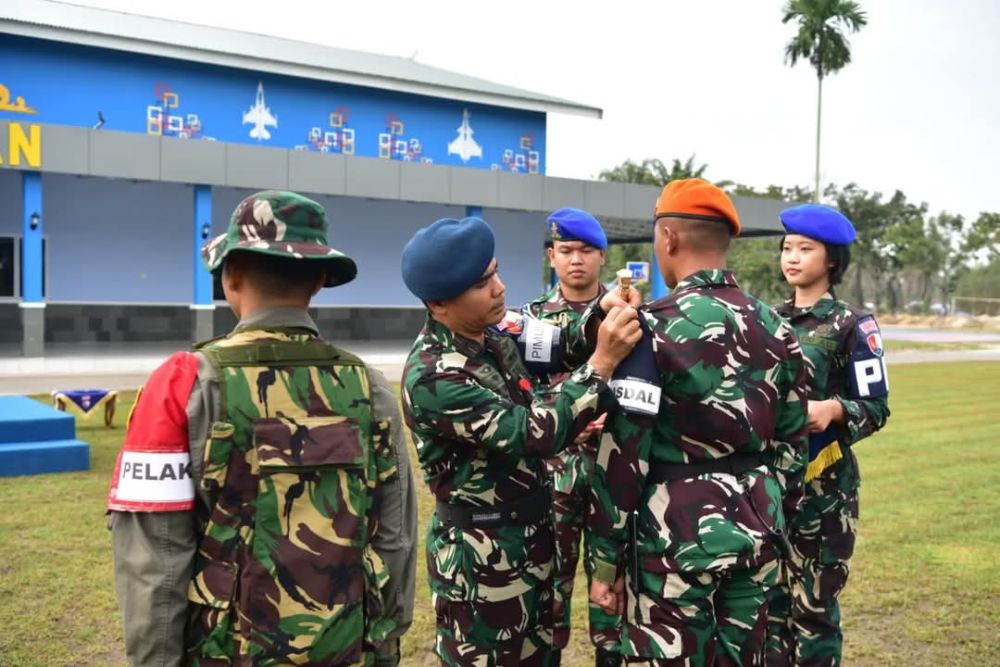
pixel 658 288
pixel 202 307
pixel 202 232
pixel 473 211
pixel 32 231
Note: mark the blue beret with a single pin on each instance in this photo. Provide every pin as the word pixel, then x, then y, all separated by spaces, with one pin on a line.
pixel 818 222
pixel 573 224
pixel 447 258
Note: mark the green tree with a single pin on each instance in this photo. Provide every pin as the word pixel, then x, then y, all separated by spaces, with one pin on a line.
pixel 653 171
pixel 821 41
pixel 650 171
pixel 984 236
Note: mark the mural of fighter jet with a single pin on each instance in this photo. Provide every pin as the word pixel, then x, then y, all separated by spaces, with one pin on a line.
pixel 464 146
pixel 260 116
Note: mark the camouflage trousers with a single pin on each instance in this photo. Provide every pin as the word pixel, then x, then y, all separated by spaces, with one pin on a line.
pixel 702 570
pixel 570 494
pixel 492 594
pixel 715 619
pixel 804 618
pixel 480 633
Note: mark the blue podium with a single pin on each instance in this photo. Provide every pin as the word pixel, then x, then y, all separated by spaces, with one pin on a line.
pixel 36 439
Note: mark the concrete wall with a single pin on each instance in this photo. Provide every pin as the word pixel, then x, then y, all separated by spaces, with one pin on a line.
pixel 85 323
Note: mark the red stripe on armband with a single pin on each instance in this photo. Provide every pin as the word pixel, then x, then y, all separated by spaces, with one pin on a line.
pixel 153 471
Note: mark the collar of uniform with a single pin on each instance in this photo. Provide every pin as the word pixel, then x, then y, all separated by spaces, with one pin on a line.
pixel 820 309
pixel 555 301
pixel 707 278
pixel 448 339
pixel 279 317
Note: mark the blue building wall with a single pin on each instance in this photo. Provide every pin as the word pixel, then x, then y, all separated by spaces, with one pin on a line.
pixel 374 232
pixel 119 241
pixel 75 85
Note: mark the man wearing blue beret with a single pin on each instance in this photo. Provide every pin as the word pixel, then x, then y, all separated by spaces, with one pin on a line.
pixel 848 401
pixel 576 252
pixel 483 432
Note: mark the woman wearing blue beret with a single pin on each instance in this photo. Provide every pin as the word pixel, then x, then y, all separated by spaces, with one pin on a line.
pixel 848 401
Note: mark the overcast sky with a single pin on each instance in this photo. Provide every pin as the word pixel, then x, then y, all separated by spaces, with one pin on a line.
pixel 917 110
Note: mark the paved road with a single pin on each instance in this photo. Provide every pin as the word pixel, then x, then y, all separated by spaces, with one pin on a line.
pixel 927 335
pixel 101 365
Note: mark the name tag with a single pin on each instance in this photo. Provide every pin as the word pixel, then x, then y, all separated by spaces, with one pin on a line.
pixel 637 396
pixel 154 478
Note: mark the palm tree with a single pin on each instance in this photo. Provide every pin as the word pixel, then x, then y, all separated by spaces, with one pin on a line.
pixel 820 40
pixel 653 171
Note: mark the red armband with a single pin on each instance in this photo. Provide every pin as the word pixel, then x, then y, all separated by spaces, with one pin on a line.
pixel 153 472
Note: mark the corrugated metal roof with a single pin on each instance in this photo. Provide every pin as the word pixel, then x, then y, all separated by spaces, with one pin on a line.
pixel 77 24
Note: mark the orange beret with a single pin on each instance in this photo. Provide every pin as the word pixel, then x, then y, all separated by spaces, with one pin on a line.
pixel 696 199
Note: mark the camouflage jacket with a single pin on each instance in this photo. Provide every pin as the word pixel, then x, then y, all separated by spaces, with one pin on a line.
pixel 481 431
pixel 829 334
pixel 733 381
pixel 170 567
pixel 553 307
pixel 481 427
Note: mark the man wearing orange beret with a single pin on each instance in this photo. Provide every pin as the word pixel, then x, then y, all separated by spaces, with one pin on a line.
pixel 689 505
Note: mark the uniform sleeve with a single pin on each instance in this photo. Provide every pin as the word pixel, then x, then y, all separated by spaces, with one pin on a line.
pixel 864 415
pixel 395 538
pixel 453 404
pixel 616 488
pixel 789 451
pixel 153 531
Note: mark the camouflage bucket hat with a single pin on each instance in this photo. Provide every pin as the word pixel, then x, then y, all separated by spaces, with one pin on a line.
pixel 283 224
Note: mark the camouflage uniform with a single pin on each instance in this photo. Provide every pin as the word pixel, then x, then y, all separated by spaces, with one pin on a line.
pixel 569 473
pixel 704 545
pixel 240 570
pixel 822 535
pixel 482 433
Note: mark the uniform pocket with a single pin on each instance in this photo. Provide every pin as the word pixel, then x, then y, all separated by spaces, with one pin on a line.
pixel 310 534
pixel 218 451
pixel 448 563
pixel 210 617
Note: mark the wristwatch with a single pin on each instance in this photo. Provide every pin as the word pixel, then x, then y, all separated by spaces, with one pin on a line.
pixel 586 373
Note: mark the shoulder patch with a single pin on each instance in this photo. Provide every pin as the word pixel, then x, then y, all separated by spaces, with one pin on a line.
pixel 867 370
pixel 868 325
pixel 153 471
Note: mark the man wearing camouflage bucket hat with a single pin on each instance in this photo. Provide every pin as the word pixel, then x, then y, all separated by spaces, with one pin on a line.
pixel 261 508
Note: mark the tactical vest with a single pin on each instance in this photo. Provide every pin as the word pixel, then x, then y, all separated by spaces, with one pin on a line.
pixel 284 573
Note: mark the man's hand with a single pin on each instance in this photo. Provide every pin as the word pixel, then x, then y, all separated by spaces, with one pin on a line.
pixel 614 298
pixel 596 426
pixel 617 336
pixel 609 598
pixel 822 413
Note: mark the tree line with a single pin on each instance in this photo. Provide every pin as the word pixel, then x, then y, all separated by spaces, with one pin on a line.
pixel 905 259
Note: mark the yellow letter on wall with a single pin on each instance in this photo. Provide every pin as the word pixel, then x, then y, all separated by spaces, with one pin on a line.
pixel 29 146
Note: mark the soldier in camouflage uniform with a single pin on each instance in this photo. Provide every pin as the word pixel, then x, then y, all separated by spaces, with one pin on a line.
pixel 576 253
pixel 482 432
pixel 690 505
pixel 848 401
pixel 262 509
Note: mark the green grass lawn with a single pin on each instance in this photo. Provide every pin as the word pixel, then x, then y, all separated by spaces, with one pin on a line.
pixel 925 587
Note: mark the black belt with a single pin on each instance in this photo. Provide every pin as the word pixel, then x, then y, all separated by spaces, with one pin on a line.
pixel 530 509
pixel 734 464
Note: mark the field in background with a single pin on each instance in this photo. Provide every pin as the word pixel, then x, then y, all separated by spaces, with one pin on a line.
pixel 925 587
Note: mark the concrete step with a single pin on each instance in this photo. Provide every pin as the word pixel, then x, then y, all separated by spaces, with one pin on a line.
pixel 35 458
pixel 25 420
